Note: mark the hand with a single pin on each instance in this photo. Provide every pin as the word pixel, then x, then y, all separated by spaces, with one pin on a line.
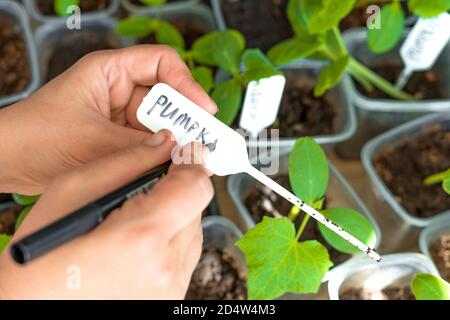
pixel 147 249
pixel 86 113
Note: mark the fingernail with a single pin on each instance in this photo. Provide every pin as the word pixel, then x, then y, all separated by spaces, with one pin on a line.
pixel 157 139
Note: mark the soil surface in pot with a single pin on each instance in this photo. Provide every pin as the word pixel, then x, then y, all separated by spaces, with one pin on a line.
pixel 8 220
pixel 405 164
pixel 440 251
pixel 389 293
pixel 190 29
pixel 217 277
pixel 263 22
pixel 359 16
pixel 262 201
pixel 72 47
pixel 14 69
pixel 302 114
pixel 46 7
pixel 422 85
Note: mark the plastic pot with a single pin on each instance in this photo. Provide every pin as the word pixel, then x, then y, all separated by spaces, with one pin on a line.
pixel 180 4
pixel 340 195
pixel 34 12
pixel 394 269
pixel 430 234
pixel 49 35
pixel 344 122
pixel 385 199
pixel 14 12
pixel 375 116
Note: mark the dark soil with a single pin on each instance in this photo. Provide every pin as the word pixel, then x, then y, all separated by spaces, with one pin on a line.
pixel 358 17
pixel 389 293
pixel 217 277
pixel 263 22
pixel 46 7
pixel 301 114
pixel 404 165
pixel 14 69
pixel 190 29
pixel 440 251
pixel 422 85
pixel 8 220
pixel 262 201
pixel 74 46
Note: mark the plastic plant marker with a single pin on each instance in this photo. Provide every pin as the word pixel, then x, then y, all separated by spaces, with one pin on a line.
pixel 166 108
pixel 424 45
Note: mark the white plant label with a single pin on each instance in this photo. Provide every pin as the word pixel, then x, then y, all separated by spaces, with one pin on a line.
pixel 166 108
pixel 424 45
pixel 261 104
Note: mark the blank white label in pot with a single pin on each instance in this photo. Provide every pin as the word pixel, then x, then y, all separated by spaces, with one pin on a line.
pixel 261 104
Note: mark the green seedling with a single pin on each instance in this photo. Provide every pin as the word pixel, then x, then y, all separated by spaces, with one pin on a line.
pixel 153 3
pixel 317 36
pixel 392 20
pixel 441 177
pixel 27 202
pixel 222 49
pixel 429 287
pixel 278 262
pixel 62 6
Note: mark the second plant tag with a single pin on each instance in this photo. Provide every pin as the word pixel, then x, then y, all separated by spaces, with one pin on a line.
pixel 261 104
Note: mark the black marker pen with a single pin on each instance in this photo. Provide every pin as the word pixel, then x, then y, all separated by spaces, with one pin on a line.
pixel 83 220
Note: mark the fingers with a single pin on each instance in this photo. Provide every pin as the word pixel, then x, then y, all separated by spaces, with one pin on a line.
pixel 89 182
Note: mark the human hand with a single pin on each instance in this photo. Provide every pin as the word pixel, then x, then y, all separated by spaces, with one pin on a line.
pixel 87 112
pixel 147 249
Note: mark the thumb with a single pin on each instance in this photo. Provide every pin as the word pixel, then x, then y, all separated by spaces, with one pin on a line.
pixel 79 186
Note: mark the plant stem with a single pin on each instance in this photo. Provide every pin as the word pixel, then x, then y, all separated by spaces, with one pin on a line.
pixel 293 213
pixel 360 71
pixel 435 178
pixel 302 226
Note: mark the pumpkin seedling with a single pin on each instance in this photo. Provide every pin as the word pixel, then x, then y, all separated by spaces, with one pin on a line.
pixel 392 20
pixel 317 36
pixel 441 177
pixel 27 202
pixel 429 287
pixel 278 262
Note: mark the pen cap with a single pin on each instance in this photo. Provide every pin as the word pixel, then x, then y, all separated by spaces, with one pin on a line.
pixel 166 108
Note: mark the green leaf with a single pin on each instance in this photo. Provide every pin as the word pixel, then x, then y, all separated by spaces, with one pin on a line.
pixel 446 185
pixel 428 8
pixel 61 6
pixel 23 214
pixel 228 97
pixel 203 49
pixel 136 27
pixel 429 287
pixel 300 13
pixel 257 66
pixel 277 263
pixel 151 3
pixel 392 26
pixel 330 15
pixel 227 51
pixel 351 221
pixel 4 240
pixel 24 200
pixel 204 76
pixel 308 170
pixel 331 75
pixel 293 49
pixel 169 35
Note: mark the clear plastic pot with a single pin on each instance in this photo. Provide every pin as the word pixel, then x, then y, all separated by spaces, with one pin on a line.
pixel 385 199
pixel 181 4
pixel 13 11
pixel 34 12
pixel 431 234
pixel 344 125
pixel 375 116
pixel 394 269
pixel 49 35
pixel 339 191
